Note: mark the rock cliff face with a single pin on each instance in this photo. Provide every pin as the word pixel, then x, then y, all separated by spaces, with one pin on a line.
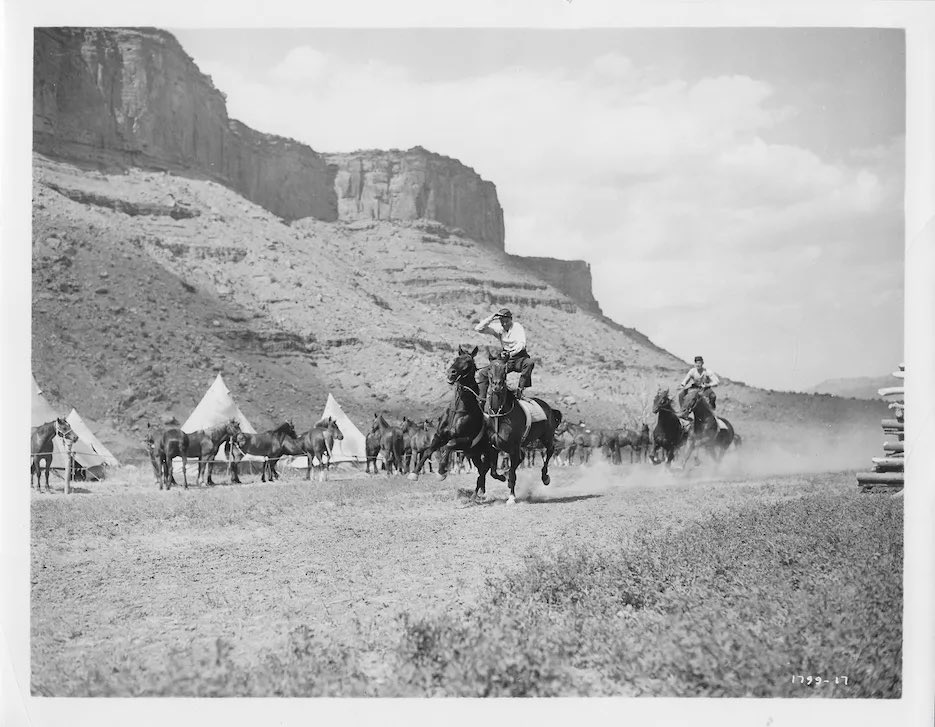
pixel 133 97
pixel 417 184
pixel 572 277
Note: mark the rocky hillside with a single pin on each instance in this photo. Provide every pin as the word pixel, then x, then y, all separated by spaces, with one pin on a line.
pixel 170 243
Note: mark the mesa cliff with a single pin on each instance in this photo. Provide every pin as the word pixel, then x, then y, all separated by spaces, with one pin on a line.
pixel 134 98
pixel 119 98
pixel 417 184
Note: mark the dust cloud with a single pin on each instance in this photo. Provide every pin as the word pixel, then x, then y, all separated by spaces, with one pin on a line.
pixel 809 451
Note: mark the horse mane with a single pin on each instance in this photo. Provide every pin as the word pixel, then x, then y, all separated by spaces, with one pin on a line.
pixel 283 428
pixel 323 423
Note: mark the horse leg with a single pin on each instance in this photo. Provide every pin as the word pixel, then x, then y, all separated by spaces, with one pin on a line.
pixel 545 464
pixel 480 484
pixel 515 457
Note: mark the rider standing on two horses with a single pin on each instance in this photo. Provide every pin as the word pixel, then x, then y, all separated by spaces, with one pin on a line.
pixel 513 343
pixel 698 377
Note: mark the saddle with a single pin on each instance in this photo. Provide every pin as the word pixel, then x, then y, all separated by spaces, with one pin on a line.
pixel 534 413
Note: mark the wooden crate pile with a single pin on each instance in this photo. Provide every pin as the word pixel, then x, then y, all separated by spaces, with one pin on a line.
pixel 888 470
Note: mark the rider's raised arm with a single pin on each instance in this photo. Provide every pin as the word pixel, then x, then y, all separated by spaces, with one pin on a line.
pixel 687 380
pixel 485 326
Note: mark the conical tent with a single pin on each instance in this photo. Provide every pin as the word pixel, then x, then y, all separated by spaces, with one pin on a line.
pixel 42 411
pixel 88 450
pixel 94 446
pixel 216 407
pixel 352 448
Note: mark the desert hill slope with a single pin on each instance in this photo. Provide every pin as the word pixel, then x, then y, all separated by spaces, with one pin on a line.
pixel 146 284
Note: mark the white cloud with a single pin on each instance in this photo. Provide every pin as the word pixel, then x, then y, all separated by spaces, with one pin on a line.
pixel 672 189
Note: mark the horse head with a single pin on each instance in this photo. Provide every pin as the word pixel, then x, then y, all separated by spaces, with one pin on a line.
pixel 232 427
pixel 335 429
pixel 378 423
pixel 287 429
pixel 497 388
pixel 463 366
pixel 692 397
pixel 661 401
pixel 64 430
pixel 240 439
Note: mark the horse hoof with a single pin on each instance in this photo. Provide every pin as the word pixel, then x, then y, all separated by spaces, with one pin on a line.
pixel 412 476
pixel 442 476
pixel 511 500
pixel 546 480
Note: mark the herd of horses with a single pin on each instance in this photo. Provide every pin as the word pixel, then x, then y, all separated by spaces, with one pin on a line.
pixel 493 434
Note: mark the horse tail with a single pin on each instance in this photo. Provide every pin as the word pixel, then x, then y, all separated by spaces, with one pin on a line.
pixel 737 440
pixel 556 418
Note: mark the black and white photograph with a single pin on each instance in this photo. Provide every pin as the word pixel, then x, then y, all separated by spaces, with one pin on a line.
pixel 534 353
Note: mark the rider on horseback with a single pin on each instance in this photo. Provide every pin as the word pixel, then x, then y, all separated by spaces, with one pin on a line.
pixel 698 377
pixel 513 344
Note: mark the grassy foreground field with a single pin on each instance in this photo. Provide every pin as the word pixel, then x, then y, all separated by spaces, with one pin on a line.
pixel 610 582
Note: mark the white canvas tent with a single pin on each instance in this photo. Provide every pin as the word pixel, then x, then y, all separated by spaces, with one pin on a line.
pixel 216 407
pixel 351 448
pixel 88 451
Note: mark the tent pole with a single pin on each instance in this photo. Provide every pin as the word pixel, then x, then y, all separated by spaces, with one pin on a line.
pixel 69 467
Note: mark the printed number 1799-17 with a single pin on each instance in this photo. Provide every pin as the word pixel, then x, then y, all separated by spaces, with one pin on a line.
pixel 817 681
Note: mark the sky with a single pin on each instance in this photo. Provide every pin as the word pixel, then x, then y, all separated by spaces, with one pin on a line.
pixel 738 192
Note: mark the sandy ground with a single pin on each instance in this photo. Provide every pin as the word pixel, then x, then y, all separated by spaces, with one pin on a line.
pixel 123 574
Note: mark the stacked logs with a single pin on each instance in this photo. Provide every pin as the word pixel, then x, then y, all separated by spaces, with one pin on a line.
pixel 888 470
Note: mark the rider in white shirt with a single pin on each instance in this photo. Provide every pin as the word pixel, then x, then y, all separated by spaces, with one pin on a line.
pixel 513 343
pixel 698 377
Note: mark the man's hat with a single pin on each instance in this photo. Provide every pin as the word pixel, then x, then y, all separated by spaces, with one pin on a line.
pixel 504 313
pixel 699 358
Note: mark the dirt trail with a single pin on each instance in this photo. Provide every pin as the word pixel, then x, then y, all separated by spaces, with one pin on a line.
pixel 123 576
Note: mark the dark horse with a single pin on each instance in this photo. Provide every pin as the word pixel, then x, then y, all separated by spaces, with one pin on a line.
pixel 706 433
pixel 420 440
pixel 372 450
pixel 461 427
pixel 505 421
pixel 265 444
pixel 670 433
pixel 391 444
pixel 317 442
pixel 171 443
pixel 204 444
pixel 41 448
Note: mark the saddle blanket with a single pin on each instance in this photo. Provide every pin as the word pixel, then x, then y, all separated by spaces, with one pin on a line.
pixel 533 412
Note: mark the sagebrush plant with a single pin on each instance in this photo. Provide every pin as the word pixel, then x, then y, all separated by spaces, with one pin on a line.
pixel 733 606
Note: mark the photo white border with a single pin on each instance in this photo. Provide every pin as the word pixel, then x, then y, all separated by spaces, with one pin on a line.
pixel 18 19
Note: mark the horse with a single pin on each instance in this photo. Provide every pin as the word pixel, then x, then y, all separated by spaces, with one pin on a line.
pixel 580 441
pixel 638 442
pixel 204 444
pixel 372 450
pixel 171 444
pixel 564 442
pixel 317 443
pixel 391 443
pixel 507 427
pixel 461 427
pixel 419 437
pixel 705 432
pixel 669 433
pixel 41 448
pixel 267 444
